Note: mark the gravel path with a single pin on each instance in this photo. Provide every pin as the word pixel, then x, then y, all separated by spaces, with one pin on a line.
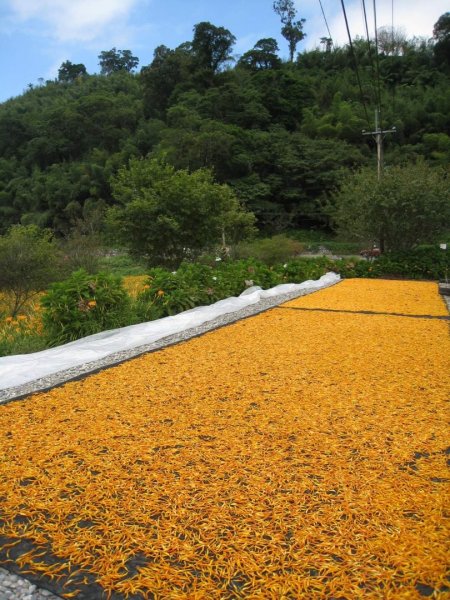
pixel 13 587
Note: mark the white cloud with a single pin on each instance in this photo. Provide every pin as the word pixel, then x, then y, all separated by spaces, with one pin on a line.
pixel 74 20
pixel 415 17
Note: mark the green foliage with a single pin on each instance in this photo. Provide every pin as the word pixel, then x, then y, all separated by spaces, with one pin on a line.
pixel 120 263
pixel 270 251
pixel 168 293
pixel 28 263
pixel 84 304
pixel 291 30
pixel 424 262
pixel 112 61
pixel 20 335
pixel 167 215
pixel 212 45
pixel 280 133
pixel 69 71
pixel 408 206
pixel 441 34
pixel 304 269
pixel 81 252
pixel 262 56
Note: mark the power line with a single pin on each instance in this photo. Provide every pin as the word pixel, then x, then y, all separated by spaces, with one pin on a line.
pixel 369 46
pixel 326 22
pixel 352 50
pixel 377 60
pixel 392 42
pixel 392 21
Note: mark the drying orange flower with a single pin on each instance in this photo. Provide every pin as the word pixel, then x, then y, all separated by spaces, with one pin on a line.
pixel 311 466
pixel 160 293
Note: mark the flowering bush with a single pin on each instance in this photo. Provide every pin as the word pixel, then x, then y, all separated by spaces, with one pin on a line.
pixel 21 334
pixel 194 284
pixel 84 304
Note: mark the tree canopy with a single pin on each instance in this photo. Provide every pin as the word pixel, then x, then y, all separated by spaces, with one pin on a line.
pixel 408 206
pixel 28 263
pixel 292 30
pixel 113 60
pixel 166 214
pixel 280 133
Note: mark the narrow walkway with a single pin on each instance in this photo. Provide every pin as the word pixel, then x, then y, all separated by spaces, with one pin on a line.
pixel 296 454
pixel 367 312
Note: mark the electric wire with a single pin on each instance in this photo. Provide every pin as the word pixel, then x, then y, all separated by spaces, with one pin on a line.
pixel 352 51
pixel 392 22
pixel 377 63
pixel 326 22
pixel 370 53
pixel 392 41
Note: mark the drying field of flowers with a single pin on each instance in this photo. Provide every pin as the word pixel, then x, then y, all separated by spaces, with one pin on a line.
pixel 296 454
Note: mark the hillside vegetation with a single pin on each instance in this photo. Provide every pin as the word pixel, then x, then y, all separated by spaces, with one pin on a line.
pixel 281 134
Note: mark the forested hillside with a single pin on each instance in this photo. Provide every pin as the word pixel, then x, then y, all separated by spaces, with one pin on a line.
pixel 280 133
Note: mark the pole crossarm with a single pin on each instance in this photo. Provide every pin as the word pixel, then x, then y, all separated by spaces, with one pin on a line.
pixel 378 136
pixel 379 131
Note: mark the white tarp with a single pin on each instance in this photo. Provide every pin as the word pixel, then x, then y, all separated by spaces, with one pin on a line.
pixel 23 368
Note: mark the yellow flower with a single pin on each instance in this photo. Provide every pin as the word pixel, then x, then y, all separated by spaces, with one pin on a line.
pixel 21 318
pixel 92 303
pixel 9 319
pixel 160 293
pixel 146 287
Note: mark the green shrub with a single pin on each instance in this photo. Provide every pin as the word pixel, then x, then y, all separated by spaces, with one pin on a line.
pixel 20 335
pixel 84 304
pixel 424 262
pixel 344 247
pixel 28 263
pixel 165 293
pixel 270 251
pixel 194 284
pixel 122 264
pixel 303 269
pixel 81 252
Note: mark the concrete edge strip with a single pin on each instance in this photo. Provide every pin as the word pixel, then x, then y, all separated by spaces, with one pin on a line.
pixel 366 312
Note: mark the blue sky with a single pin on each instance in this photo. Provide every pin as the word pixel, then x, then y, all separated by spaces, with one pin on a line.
pixel 36 36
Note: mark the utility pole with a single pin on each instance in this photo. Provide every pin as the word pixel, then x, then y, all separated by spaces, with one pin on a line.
pixel 378 136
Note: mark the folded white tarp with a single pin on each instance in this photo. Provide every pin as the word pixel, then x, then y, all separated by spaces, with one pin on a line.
pixel 23 368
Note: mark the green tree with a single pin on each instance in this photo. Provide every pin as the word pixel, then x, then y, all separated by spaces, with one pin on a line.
pixel 28 263
pixel 69 71
pixel 113 60
pixel 408 206
pixel 292 30
pixel 168 70
pixel 212 45
pixel 441 33
pixel 262 56
pixel 168 215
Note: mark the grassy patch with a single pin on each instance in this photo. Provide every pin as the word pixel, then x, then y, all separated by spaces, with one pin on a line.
pixel 122 265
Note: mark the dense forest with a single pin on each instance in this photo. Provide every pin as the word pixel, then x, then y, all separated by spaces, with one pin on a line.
pixel 280 133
